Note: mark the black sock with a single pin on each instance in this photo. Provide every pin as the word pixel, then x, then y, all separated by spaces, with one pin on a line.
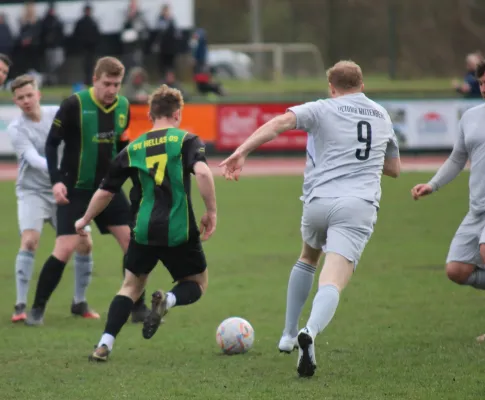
pixel 186 292
pixel 141 300
pixel 119 311
pixel 49 278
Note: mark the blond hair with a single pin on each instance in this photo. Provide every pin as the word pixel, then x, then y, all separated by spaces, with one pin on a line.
pixel 345 75
pixel 164 101
pixel 110 66
pixel 21 81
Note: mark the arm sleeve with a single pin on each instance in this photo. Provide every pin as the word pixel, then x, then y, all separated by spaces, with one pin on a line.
pixel 118 173
pixel 56 135
pixel 26 150
pixel 193 151
pixel 392 150
pixel 306 116
pixel 453 165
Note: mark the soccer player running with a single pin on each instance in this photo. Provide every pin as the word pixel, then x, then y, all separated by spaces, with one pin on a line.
pixel 465 263
pixel 91 124
pixel 351 142
pixel 35 202
pixel 160 163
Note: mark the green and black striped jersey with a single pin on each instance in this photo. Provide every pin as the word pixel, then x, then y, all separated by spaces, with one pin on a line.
pixel 159 163
pixel 92 136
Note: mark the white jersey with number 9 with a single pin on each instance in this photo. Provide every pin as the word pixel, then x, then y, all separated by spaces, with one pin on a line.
pixel 349 138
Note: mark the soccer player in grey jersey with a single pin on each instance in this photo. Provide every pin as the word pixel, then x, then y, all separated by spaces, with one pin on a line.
pixel 35 201
pixel 351 143
pixel 465 263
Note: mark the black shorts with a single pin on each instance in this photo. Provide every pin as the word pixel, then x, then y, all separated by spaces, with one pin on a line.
pixel 117 213
pixel 181 261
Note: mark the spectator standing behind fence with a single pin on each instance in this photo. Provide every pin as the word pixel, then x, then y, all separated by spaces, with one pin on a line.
pixel 86 38
pixel 6 37
pixel 134 35
pixel 202 73
pixel 469 87
pixel 52 39
pixel 136 88
pixel 28 50
pixel 166 41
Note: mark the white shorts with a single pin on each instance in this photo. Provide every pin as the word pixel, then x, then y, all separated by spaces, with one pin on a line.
pixel 339 225
pixel 34 209
pixel 465 246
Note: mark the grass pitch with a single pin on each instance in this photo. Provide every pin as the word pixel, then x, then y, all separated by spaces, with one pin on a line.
pixel 402 330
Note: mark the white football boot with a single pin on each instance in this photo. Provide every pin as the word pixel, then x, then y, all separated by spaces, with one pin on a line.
pixel 287 344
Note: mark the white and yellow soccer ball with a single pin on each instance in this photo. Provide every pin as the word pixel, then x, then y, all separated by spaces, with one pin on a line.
pixel 235 335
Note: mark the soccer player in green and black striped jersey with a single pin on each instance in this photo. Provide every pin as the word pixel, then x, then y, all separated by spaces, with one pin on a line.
pixel 160 164
pixel 91 124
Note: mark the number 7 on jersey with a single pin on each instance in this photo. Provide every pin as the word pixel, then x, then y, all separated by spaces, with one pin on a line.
pixel 158 163
pixel 367 139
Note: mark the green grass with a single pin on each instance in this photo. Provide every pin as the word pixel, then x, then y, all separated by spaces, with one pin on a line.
pixel 258 90
pixel 402 330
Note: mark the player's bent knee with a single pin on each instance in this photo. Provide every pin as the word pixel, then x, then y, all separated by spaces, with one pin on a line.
pixel 201 279
pixel 122 235
pixel 30 240
pixel 64 247
pixel 84 245
pixel 133 285
pixel 459 272
pixel 309 255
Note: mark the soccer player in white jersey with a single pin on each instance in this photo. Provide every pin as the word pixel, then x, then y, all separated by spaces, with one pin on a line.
pixel 465 263
pixel 351 143
pixel 35 201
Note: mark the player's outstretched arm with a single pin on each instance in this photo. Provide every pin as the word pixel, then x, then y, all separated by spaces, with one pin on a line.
pixel 232 166
pixel 447 172
pixel 98 203
pixel 207 189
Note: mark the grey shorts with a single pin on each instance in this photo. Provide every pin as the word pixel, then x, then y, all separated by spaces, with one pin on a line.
pixel 465 246
pixel 339 225
pixel 34 209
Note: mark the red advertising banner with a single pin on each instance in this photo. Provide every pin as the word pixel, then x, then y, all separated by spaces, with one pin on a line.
pixel 236 122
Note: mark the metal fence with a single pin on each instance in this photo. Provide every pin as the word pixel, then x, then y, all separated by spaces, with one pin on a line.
pixel 402 38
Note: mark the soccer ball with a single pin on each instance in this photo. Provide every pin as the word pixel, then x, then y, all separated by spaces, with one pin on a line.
pixel 235 336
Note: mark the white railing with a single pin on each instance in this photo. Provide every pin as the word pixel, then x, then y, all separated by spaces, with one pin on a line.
pixel 278 50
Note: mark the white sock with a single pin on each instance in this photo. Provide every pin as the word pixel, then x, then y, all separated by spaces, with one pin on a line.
pixel 324 307
pixel 108 340
pixel 171 300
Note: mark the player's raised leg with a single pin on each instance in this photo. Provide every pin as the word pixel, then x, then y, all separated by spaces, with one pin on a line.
pixel 188 267
pixel 186 291
pixel 299 287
